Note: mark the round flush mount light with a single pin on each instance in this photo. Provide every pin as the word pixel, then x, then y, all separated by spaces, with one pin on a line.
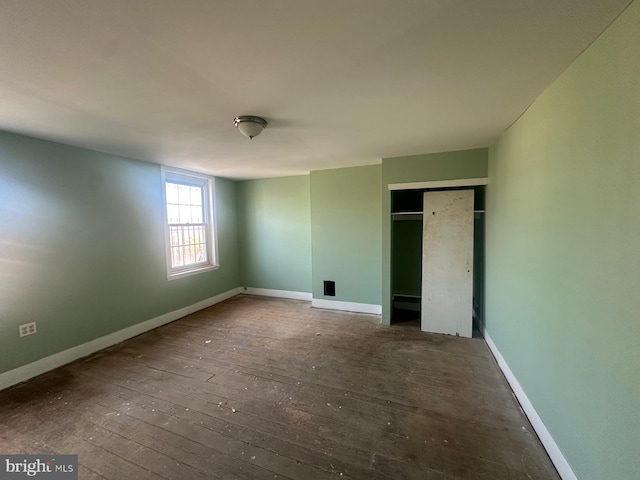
pixel 249 125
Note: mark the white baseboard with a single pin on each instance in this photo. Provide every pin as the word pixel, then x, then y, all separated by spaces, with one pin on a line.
pixel 554 452
pixel 347 306
pixel 316 302
pixel 267 292
pixel 59 359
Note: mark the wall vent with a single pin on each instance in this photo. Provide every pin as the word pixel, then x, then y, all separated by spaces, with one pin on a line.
pixel 329 288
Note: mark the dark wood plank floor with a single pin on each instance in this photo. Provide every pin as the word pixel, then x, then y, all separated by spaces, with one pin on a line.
pixel 259 388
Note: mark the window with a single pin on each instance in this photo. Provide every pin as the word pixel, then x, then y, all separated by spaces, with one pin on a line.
pixel 189 223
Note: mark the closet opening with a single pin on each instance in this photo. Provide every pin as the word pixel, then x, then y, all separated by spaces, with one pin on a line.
pixel 407 239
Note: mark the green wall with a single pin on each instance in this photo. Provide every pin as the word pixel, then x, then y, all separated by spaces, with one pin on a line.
pixel 562 254
pixel 82 247
pixel 345 228
pixel 431 167
pixel 420 168
pixel 275 233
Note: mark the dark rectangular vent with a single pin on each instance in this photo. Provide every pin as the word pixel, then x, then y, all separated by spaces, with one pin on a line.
pixel 329 288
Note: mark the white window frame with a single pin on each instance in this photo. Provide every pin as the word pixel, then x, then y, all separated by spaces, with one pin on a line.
pixel 207 183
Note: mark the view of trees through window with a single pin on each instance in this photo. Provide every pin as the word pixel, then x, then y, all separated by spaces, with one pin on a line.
pixel 187 229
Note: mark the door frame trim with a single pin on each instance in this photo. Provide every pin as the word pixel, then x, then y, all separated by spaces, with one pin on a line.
pixel 461 182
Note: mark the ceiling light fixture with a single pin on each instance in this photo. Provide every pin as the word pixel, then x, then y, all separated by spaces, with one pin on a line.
pixel 249 125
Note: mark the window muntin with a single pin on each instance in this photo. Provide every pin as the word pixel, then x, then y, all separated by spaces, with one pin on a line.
pixel 190 235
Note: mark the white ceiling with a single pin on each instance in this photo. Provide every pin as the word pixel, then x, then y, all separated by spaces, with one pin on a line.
pixel 341 82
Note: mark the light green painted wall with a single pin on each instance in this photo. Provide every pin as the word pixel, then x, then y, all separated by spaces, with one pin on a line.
pixel 275 233
pixel 345 226
pixel 563 256
pixel 82 247
pixel 431 167
pixel 420 168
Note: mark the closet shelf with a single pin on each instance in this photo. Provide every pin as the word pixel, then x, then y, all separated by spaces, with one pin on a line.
pixel 407 294
pixel 416 215
pixel 406 215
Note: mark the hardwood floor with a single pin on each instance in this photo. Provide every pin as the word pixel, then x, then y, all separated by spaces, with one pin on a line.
pixel 261 388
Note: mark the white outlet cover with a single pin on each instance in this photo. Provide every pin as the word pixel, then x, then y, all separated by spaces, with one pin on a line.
pixel 27 329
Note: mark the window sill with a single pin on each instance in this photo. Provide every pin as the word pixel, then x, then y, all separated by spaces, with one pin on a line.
pixel 193 271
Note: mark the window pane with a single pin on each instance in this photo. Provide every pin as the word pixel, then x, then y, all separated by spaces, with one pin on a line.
pixel 196 214
pixel 187 222
pixel 201 253
pixel 185 214
pixel 172 192
pixel 188 244
pixel 196 196
pixel 175 257
pixel 184 194
pixel 173 214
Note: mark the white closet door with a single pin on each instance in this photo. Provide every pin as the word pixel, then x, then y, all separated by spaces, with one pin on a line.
pixel 447 262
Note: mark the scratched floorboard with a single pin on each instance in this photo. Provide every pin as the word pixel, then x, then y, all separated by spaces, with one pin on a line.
pixel 260 388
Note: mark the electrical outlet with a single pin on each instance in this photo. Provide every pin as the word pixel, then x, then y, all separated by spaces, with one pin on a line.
pixel 27 329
